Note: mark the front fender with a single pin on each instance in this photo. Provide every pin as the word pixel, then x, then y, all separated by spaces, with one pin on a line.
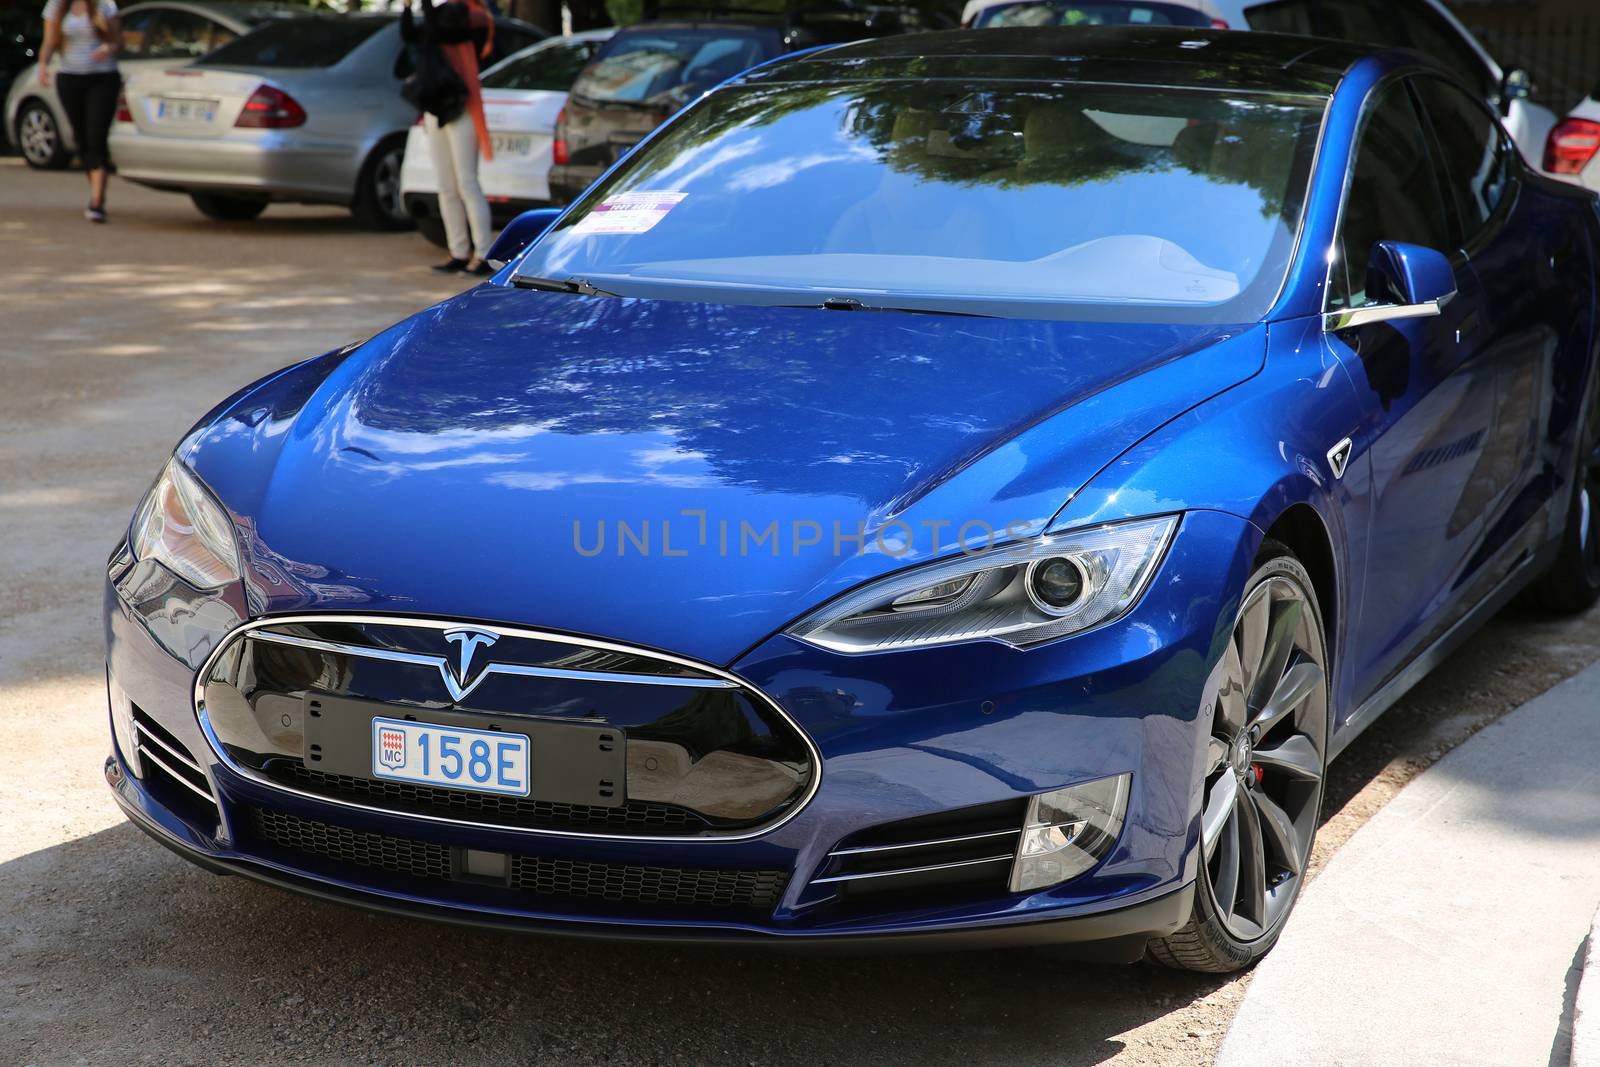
pixel 1255 451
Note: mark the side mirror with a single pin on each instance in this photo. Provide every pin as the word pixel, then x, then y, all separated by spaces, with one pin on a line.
pixel 1516 85
pixel 1404 281
pixel 521 232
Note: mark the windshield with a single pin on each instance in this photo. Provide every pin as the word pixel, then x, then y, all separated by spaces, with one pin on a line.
pixel 635 68
pixel 1108 13
pixel 931 195
pixel 303 43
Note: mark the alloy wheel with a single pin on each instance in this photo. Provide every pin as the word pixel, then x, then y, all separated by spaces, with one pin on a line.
pixel 386 184
pixel 38 137
pixel 1265 759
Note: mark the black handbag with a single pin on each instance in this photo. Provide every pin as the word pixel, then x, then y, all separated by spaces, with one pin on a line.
pixel 434 86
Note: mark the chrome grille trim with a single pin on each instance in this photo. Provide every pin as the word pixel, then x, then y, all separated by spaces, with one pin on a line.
pixel 1005 858
pixel 421 659
pixel 249 629
pixel 864 849
pixel 182 757
pixel 176 776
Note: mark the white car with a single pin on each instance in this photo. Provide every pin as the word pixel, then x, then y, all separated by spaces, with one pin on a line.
pixel 522 95
pixel 1572 150
pixel 1424 25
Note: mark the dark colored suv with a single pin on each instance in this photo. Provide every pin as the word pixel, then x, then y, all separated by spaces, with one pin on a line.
pixel 648 71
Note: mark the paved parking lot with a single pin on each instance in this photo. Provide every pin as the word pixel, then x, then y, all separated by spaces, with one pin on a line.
pixel 115 339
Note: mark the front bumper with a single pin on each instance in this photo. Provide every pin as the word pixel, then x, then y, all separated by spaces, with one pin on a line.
pixel 278 164
pixel 906 739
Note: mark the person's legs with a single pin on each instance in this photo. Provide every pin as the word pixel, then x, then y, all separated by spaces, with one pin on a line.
pixel 73 92
pixel 451 210
pixel 464 147
pixel 99 108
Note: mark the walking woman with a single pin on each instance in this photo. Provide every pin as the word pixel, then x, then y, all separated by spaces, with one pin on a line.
pixel 463 32
pixel 87 34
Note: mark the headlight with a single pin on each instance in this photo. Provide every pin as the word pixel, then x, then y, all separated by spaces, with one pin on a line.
pixel 183 528
pixel 1069 831
pixel 1021 594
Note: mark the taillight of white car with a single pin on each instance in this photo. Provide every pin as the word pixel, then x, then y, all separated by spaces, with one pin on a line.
pixel 271 108
pixel 1570 146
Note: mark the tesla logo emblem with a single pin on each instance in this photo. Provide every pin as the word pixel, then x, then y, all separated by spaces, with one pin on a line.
pixel 458 676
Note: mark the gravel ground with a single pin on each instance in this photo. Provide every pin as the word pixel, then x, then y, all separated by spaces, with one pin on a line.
pixel 115 339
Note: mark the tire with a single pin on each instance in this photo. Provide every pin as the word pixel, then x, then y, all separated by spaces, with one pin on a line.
pixel 1264 766
pixel 37 136
pixel 228 208
pixel 432 227
pixel 377 204
pixel 1572 584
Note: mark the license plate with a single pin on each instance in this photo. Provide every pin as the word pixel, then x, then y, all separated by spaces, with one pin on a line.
pixel 452 757
pixel 173 109
pixel 512 144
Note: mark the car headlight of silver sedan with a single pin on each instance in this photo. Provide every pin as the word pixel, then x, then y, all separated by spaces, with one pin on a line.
pixel 1021 594
pixel 182 526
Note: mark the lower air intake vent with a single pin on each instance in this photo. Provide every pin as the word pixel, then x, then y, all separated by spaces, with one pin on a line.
pixel 534 876
pixel 961 851
pixel 168 768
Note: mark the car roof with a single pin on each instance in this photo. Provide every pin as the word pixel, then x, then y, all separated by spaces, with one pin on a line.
pixel 1177 56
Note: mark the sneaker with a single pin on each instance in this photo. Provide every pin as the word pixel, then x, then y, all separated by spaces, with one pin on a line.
pixel 95 214
pixel 450 266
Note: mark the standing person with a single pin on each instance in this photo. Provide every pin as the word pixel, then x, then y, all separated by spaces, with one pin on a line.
pixel 463 32
pixel 88 35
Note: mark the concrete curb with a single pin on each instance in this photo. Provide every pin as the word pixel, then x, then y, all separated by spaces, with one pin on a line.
pixel 1586 1007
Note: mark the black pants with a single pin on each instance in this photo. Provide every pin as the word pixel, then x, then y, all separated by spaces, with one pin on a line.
pixel 90 101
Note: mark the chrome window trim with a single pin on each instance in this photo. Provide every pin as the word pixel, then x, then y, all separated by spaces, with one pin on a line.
pixel 244 630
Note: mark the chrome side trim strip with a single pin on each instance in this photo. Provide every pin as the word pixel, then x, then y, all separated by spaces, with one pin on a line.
pixel 1348 318
pixel 1007 858
pixel 244 629
pixel 865 849
pixel 175 776
pixel 422 659
pixel 168 749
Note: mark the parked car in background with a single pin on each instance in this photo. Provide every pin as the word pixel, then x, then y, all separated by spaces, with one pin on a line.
pixel 651 69
pixel 1572 149
pixel 522 96
pixel 995 14
pixel 305 110
pixel 20 35
pixel 1424 25
pixel 154 35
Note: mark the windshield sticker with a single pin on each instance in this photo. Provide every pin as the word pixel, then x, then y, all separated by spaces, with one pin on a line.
pixel 628 213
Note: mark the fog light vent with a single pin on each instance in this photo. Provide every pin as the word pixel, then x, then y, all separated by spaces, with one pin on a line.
pixel 1069 831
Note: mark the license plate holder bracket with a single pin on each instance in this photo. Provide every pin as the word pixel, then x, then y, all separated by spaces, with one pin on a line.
pixel 568 762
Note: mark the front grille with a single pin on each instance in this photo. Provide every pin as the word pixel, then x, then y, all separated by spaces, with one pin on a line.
pixel 536 876
pixel 648 885
pixel 420 859
pixel 637 815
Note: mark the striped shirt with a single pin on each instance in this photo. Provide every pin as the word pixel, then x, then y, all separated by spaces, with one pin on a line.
pixel 78 39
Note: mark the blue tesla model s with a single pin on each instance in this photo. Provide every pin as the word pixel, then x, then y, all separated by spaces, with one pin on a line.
pixel 959 488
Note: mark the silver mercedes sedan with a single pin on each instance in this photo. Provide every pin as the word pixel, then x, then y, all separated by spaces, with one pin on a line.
pixel 304 110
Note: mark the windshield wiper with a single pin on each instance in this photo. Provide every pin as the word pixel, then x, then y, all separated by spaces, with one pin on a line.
pixel 559 285
pixel 850 303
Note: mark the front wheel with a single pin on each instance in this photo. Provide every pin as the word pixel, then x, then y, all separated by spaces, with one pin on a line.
pixel 378 204
pixel 228 208
pixel 39 137
pixel 1267 705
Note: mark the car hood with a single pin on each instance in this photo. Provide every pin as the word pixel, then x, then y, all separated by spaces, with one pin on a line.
pixel 652 471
